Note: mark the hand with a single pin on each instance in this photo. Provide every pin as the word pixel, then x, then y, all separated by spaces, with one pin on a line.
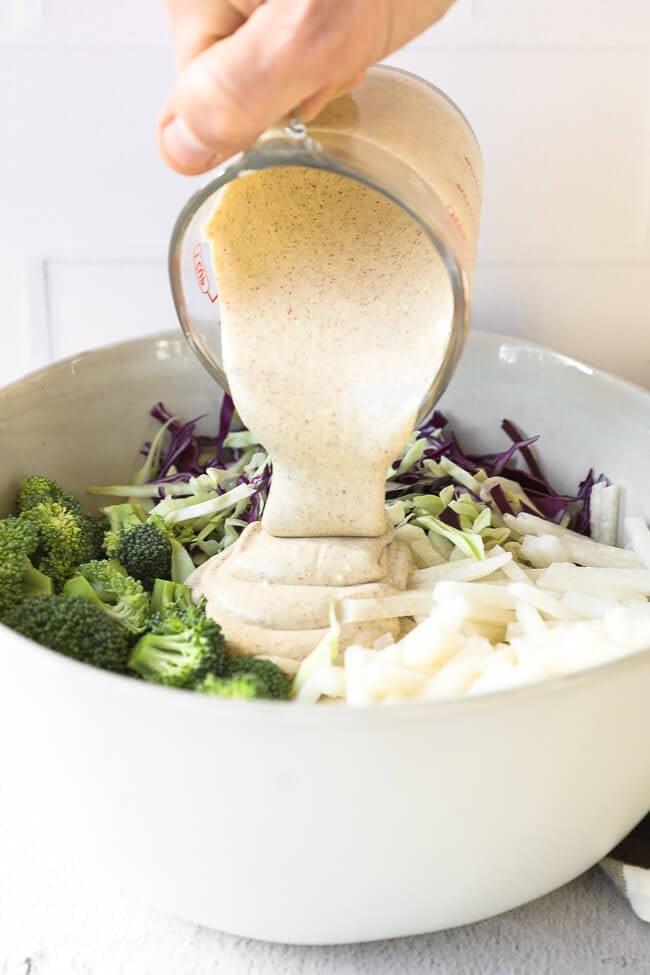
pixel 245 63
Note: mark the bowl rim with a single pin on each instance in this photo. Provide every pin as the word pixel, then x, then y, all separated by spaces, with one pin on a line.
pixel 416 707
pixel 490 338
pixel 560 684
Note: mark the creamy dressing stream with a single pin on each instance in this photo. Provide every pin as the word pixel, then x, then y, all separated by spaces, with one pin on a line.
pixel 336 312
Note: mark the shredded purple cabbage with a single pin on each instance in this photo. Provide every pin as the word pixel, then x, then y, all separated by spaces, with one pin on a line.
pixel 188 454
pixel 583 518
pixel 183 450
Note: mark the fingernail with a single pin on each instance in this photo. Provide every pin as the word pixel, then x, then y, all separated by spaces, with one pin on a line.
pixel 184 148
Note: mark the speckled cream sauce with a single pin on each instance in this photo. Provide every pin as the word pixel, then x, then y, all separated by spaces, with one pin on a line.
pixel 335 316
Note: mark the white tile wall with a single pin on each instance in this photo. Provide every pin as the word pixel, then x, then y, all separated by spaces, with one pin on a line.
pixel 558 94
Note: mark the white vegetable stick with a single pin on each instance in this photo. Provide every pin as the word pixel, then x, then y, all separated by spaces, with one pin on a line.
pixel 587 551
pixel 460 671
pixel 355 664
pixel 453 679
pixel 413 602
pixel 526 524
pixel 529 618
pixel 497 675
pixel 475 593
pixel 494 632
pixel 514 572
pixel 587 607
pixel 604 517
pixel 604 510
pixel 475 648
pixel 386 678
pixel 632 634
pixel 527 646
pixel 464 570
pixel 544 550
pixel 616 596
pixel 638 537
pixel 543 601
pixel 484 613
pixel 562 577
pixel 500 652
pixel 434 641
pixel 390 655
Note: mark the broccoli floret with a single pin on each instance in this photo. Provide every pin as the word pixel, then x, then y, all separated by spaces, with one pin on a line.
pixel 38 490
pixel 277 683
pixel 18 578
pixel 144 548
pixel 184 645
pixel 107 585
pixel 73 627
pixel 146 553
pixel 240 685
pixel 67 534
pixel 66 538
pixel 121 518
pixel 166 593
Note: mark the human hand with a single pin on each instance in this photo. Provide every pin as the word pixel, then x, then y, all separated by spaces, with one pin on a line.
pixel 243 64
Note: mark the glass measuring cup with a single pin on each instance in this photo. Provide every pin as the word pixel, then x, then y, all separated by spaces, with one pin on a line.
pixel 396 134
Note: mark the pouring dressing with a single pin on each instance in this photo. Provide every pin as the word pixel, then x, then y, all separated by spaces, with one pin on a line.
pixel 338 313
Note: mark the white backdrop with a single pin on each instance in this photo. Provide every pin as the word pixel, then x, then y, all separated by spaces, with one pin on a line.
pixel 557 93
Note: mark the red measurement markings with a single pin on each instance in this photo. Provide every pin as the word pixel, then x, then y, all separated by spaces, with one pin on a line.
pixel 454 216
pixel 201 274
pixel 468 163
pixel 465 199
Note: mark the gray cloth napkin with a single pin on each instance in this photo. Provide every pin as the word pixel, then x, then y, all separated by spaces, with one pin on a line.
pixel 628 865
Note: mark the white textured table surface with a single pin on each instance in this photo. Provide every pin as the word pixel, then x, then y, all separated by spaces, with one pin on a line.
pixel 58 920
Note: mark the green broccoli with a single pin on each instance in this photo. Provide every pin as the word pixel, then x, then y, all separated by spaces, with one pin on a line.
pixel 73 627
pixel 240 685
pixel 107 585
pixel 144 548
pixel 18 578
pixel 66 538
pixel 184 645
pixel 121 518
pixel 37 490
pixel 42 490
pixel 166 593
pixel 277 683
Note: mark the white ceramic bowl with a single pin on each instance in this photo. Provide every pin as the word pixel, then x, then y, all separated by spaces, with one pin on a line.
pixel 326 824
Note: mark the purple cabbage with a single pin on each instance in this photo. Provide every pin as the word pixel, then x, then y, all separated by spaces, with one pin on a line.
pixel 188 454
pixel 442 442
pixel 185 450
pixel 583 517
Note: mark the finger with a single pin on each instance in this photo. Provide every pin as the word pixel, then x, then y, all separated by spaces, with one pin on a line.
pixel 234 90
pixel 410 19
pixel 197 24
pixel 314 105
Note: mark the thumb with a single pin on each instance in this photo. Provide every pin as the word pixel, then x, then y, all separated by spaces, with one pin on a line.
pixel 227 95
